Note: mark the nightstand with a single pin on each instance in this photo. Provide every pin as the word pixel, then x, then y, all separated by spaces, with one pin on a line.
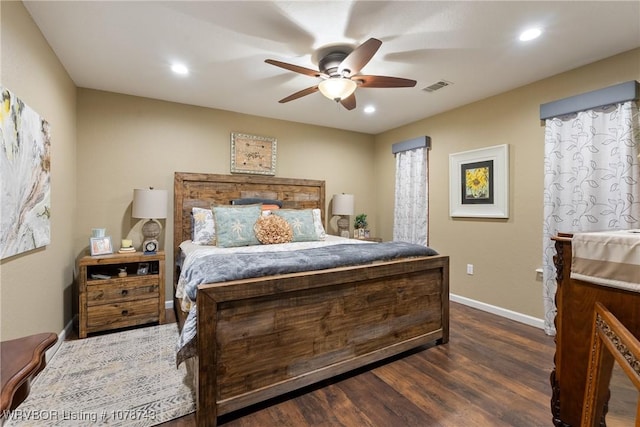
pixel 108 300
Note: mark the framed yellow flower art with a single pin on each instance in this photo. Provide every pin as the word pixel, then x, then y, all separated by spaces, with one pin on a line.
pixel 479 183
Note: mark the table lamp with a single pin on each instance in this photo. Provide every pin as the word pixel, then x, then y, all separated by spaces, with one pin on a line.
pixel 343 205
pixel 152 205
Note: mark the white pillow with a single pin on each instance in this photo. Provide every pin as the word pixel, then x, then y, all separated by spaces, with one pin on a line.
pixel 204 230
pixel 317 223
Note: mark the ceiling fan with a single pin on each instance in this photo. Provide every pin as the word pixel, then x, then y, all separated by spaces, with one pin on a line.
pixel 339 75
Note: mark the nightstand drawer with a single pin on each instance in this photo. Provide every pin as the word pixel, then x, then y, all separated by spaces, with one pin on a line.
pixel 121 292
pixel 118 315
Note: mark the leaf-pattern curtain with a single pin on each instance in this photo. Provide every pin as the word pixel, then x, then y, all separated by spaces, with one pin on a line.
pixel 591 180
pixel 410 218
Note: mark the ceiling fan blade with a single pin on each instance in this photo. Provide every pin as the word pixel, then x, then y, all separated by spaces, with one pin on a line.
pixel 294 68
pixel 349 102
pixel 299 94
pixel 360 56
pixel 383 81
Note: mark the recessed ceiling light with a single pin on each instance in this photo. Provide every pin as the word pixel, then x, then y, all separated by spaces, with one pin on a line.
pixel 179 69
pixel 369 109
pixel 530 34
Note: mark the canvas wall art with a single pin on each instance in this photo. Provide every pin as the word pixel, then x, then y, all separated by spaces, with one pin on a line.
pixel 25 193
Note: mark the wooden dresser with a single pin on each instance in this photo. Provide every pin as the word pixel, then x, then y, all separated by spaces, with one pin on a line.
pixel 575 300
pixel 116 302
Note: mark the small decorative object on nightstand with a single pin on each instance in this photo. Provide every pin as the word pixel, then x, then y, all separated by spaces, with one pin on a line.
pixel 126 246
pixel 108 300
pixel 360 225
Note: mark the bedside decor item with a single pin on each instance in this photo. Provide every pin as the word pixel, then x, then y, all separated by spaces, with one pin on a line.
pixel 343 205
pixel 360 221
pixel 100 245
pixel 253 154
pixel 25 184
pixel 126 246
pixel 152 205
pixel 479 183
pixel 360 225
pixel 98 232
pixel 143 269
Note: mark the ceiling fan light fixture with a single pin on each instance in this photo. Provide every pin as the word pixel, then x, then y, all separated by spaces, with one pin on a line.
pixel 337 88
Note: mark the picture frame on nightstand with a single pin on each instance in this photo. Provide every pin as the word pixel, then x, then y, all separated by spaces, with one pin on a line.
pixel 143 269
pixel 100 245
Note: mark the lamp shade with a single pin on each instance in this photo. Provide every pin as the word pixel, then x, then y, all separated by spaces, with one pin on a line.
pixel 343 204
pixel 149 203
pixel 337 88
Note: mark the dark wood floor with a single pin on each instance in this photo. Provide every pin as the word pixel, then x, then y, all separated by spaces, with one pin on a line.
pixel 493 372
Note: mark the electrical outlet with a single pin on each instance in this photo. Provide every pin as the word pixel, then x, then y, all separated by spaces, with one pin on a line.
pixel 470 269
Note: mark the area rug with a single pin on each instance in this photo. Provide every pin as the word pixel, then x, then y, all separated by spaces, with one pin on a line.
pixel 120 379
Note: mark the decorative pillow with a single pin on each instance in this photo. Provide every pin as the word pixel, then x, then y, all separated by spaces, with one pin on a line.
pixel 204 231
pixel 269 207
pixel 301 222
pixel 273 229
pixel 234 225
pixel 317 223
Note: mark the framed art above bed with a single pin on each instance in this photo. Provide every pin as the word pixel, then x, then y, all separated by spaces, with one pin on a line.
pixel 253 154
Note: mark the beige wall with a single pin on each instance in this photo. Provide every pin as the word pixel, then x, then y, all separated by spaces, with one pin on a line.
pixel 35 286
pixel 505 253
pixel 127 142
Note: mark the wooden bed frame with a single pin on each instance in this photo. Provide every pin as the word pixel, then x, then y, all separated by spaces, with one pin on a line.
pixel 260 338
pixel 576 302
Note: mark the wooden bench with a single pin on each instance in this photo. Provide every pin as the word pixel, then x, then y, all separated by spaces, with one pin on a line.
pixel 21 359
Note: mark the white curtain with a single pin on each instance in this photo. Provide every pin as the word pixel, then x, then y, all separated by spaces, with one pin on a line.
pixel 410 219
pixel 591 180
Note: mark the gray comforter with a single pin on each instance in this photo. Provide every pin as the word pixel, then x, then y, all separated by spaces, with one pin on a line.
pixel 226 267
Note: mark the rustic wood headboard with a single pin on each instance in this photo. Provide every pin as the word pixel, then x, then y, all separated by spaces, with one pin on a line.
pixel 204 190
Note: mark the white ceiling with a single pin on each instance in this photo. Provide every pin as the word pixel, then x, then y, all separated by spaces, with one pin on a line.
pixel 127 47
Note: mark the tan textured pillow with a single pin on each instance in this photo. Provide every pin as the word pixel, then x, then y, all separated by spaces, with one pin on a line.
pixel 273 229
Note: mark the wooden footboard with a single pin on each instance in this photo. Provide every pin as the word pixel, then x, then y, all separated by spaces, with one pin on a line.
pixel 260 338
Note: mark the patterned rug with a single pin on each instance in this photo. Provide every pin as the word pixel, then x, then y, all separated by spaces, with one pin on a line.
pixel 120 379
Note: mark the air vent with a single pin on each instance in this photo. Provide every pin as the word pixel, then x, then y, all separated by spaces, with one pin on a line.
pixel 439 85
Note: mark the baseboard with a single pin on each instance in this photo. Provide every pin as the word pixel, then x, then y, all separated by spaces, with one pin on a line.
pixel 68 329
pixel 503 312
